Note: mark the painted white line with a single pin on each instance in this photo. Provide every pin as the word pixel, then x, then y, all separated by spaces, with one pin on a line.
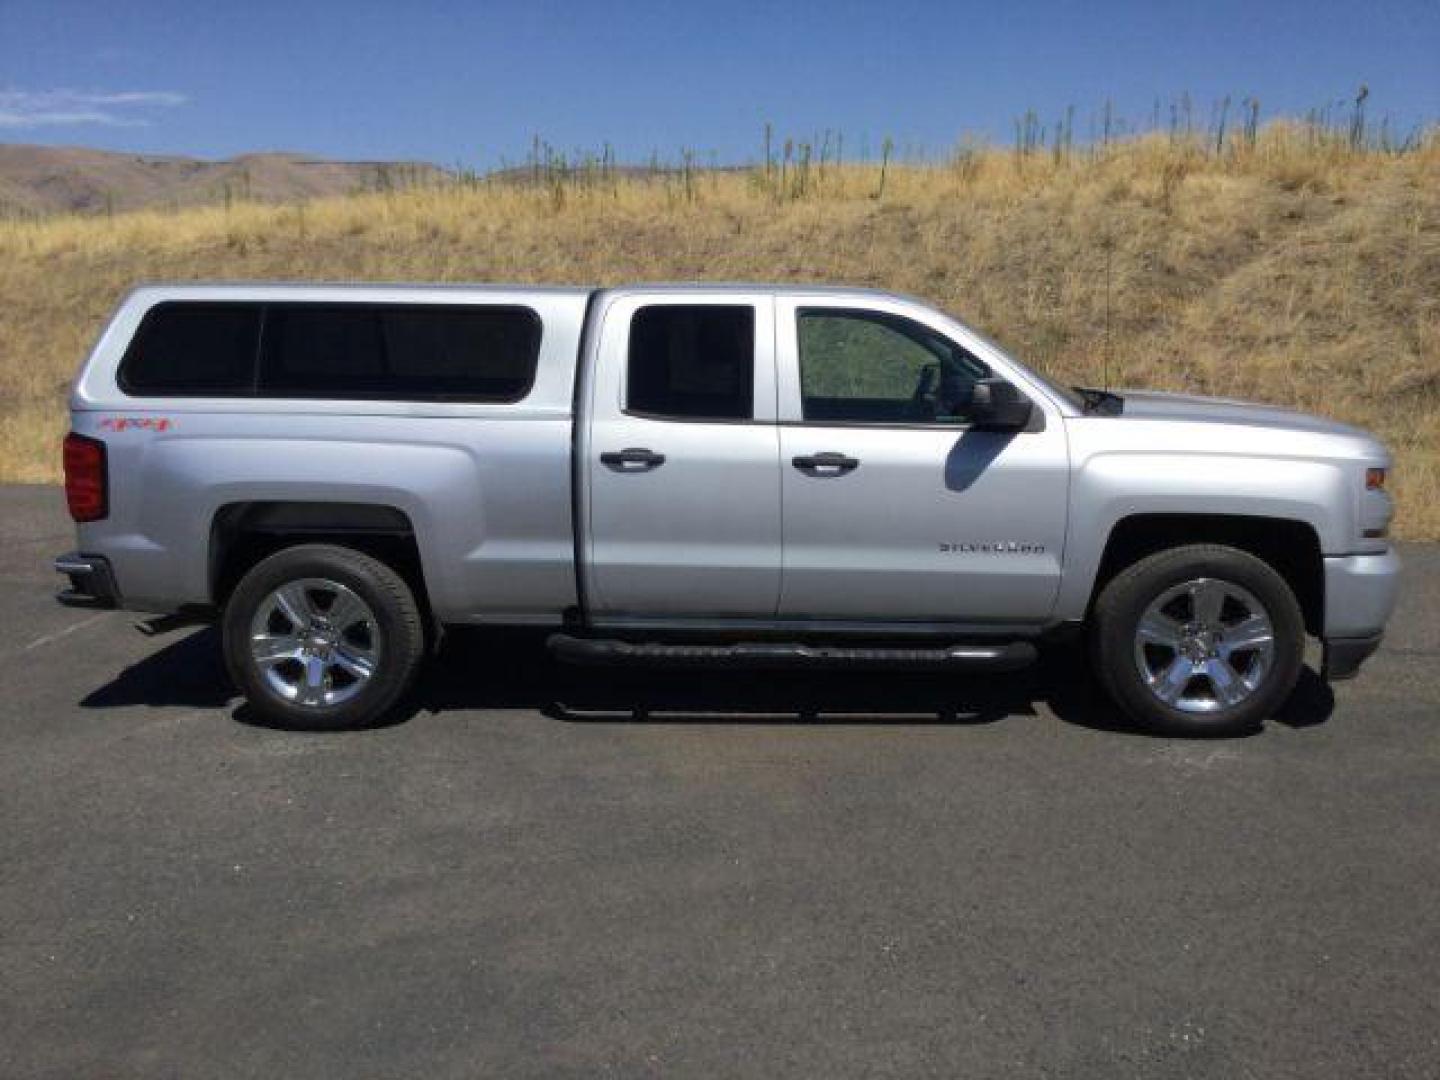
pixel 49 638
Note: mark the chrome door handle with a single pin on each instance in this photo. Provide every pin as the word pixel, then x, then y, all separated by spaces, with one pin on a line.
pixel 826 464
pixel 632 459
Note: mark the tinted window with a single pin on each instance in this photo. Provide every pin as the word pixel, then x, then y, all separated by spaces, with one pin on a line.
pixel 402 352
pixel 326 351
pixel 196 349
pixel 692 362
pixel 866 366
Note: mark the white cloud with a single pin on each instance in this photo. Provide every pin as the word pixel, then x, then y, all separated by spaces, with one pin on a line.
pixel 52 108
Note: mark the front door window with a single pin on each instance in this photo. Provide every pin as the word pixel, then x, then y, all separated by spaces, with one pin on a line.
pixel 872 367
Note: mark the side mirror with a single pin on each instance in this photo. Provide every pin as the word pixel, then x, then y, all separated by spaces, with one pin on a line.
pixel 999 406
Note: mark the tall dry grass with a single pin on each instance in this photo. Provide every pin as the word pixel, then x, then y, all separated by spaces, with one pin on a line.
pixel 1288 269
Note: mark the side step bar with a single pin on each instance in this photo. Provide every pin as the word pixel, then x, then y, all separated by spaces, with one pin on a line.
pixel 1001 656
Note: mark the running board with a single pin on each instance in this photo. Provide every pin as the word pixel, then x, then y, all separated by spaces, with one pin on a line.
pixel 1002 656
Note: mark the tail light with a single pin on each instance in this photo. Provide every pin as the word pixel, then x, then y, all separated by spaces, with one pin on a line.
pixel 86 483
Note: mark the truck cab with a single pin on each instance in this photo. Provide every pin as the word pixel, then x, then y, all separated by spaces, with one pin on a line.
pixel 812 457
pixel 701 474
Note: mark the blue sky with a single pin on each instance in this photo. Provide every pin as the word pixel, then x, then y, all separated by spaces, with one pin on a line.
pixel 474 82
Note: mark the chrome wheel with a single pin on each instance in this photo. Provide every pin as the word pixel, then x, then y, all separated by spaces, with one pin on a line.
pixel 1204 645
pixel 315 642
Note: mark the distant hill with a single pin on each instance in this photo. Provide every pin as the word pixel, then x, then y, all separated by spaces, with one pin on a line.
pixel 38 180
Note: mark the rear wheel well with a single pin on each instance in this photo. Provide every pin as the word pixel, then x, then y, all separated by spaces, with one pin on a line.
pixel 1291 547
pixel 242 534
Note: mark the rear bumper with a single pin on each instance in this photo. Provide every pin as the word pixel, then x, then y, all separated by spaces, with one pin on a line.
pixel 92 583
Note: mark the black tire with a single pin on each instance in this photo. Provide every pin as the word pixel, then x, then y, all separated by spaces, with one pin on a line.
pixel 1116 623
pixel 398 626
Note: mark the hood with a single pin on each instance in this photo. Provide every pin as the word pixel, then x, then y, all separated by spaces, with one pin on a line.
pixel 1152 405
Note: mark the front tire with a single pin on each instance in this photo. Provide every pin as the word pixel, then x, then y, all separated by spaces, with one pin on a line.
pixel 323 637
pixel 1198 640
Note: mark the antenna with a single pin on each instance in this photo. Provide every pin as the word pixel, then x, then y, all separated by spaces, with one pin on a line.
pixel 1108 243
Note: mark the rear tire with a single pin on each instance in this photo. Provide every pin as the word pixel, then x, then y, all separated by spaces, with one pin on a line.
pixel 1198 640
pixel 324 637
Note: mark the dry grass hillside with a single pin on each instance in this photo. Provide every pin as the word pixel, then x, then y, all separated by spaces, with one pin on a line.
pixel 1291 269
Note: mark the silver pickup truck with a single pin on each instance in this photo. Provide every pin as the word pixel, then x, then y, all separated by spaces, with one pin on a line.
pixel 701 475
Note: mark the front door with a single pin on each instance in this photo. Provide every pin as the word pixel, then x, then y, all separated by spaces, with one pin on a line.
pixel 895 509
pixel 682 459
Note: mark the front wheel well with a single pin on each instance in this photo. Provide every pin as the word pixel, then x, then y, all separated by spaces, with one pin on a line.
pixel 1291 547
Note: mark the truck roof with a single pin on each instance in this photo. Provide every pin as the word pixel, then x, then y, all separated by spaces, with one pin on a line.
pixel 197 290
pixel 230 290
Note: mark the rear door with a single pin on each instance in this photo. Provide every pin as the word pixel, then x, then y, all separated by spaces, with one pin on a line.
pixel 681 504
pixel 894 508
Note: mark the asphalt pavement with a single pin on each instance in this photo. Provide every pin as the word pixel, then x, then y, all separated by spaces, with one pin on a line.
pixel 550 872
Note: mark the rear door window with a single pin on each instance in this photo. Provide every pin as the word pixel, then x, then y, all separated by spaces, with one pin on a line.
pixel 692 362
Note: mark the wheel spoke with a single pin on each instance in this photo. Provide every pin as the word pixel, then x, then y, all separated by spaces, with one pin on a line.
pixel 346 610
pixel 1229 687
pixel 350 659
pixel 1171 683
pixel 1251 632
pixel 270 649
pixel 1157 628
pixel 312 685
pixel 294 604
pixel 1208 599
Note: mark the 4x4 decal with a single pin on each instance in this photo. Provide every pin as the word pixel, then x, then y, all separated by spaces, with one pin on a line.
pixel 144 423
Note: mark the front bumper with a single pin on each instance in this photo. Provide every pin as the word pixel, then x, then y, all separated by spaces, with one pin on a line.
pixel 1360 594
pixel 1343 656
pixel 92 584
